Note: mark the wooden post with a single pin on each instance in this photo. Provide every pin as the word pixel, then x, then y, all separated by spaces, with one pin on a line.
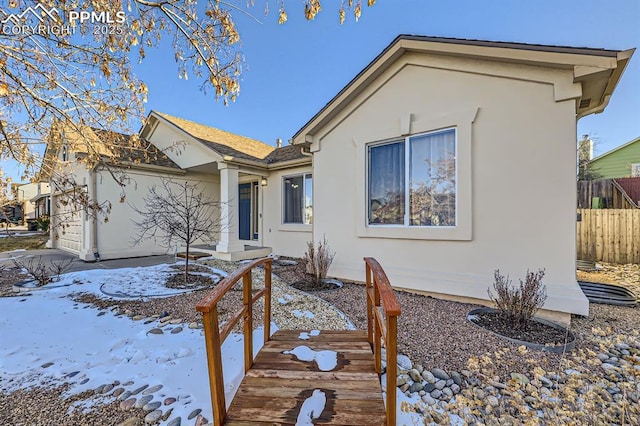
pixel 368 287
pixel 267 301
pixel 392 360
pixel 214 363
pixel 248 320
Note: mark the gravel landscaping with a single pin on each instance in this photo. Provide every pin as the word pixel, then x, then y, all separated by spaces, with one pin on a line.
pixel 446 356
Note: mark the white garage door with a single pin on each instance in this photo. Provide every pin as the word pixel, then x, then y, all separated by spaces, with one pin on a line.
pixel 69 227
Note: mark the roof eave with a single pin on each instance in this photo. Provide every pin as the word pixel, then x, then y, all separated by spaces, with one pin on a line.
pixel 290 163
pixel 622 60
pixel 551 56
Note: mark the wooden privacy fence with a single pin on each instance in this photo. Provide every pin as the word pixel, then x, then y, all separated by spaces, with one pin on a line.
pixel 609 235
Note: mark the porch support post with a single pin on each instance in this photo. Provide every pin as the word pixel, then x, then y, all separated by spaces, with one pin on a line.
pixel 229 236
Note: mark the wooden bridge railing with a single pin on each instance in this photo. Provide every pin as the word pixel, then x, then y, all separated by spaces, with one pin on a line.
pixel 214 337
pixel 383 310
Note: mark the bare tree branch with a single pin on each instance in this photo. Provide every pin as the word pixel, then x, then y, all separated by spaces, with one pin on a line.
pixel 177 212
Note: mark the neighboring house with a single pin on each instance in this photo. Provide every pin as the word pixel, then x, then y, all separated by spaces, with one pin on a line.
pixel 444 158
pixel 621 162
pixel 24 209
pixel 41 201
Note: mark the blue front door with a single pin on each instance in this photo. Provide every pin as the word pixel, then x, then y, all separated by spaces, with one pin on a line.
pixel 244 211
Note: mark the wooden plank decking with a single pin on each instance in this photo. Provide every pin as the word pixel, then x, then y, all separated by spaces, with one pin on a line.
pixel 277 384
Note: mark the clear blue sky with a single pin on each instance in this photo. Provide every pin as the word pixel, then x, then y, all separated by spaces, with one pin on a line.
pixel 293 70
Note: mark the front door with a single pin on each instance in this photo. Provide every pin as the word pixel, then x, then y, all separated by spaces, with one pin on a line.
pixel 244 211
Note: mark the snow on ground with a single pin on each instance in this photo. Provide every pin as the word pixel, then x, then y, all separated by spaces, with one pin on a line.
pixel 48 338
pixel 18 234
pixel 299 314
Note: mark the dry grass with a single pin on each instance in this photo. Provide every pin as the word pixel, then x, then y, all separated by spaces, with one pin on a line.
pixel 29 242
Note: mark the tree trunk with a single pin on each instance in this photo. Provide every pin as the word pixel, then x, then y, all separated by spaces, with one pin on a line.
pixel 186 265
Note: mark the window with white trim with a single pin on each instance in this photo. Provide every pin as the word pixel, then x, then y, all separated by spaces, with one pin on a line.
pixel 412 181
pixel 298 199
pixel 635 170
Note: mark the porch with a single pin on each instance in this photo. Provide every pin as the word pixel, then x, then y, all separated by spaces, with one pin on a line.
pixel 248 252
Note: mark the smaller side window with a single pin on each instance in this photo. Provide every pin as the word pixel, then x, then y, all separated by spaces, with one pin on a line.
pixel 298 199
pixel 64 153
pixel 635 170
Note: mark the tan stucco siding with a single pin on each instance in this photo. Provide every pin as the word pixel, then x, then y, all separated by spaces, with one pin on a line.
pixel 181 148
pixel 521 172
pixel 115 237
pixel 285 240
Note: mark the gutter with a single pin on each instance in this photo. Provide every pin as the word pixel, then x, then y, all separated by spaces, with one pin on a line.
pixel 93 192
pixel 622 59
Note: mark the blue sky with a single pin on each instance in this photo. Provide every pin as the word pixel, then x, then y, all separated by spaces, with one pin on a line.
pixel 293 70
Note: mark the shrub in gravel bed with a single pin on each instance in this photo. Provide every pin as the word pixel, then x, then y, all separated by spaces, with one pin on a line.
pixel 518 305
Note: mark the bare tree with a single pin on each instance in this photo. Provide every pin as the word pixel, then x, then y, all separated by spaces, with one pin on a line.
pixel 69 64
pixel 586 146
pixel 177 212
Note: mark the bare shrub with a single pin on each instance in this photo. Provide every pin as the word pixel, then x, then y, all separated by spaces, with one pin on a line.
pixel 42 273
pixel 519 304
pixel 318 259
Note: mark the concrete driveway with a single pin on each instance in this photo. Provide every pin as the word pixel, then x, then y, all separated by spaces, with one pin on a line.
pixel 55 255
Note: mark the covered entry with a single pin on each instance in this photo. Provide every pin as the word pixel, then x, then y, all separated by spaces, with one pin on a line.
pixel 248 211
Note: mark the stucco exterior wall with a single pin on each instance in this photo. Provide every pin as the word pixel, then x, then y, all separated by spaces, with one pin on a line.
pixel 516 165
pixel 180 147
pixel 115 237
pixel 284 239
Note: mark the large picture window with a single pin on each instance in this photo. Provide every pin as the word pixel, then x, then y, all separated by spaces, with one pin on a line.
pixel 412 182
pixel 298 199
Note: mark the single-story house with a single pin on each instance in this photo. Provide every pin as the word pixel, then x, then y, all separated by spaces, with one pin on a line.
pixel 621 162
pixel 444 158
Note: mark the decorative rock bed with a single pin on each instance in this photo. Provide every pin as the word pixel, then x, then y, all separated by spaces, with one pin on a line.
pixel 568 345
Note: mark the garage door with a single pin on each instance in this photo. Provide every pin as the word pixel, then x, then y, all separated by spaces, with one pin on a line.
pixel 69 227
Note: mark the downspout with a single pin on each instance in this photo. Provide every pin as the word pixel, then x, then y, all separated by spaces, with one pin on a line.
pixel 93 192
pixel 310 154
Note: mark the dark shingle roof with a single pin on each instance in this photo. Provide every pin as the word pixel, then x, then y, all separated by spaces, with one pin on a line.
pixel 144 153
pixel 286 153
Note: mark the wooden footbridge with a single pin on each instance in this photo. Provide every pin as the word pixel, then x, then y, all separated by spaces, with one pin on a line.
pixel 334 381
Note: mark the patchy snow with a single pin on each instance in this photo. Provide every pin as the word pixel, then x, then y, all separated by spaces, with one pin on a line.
pixel 306 314
pixel 18 234
pixel 133 283
pixel 285 299
pixel 311 408
pixel 48 337
pixel 326 360
pixel 305 336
